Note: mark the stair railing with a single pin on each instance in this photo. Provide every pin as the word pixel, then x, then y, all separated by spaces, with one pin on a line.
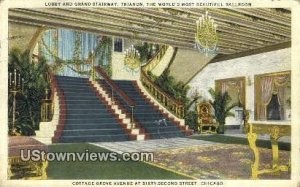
pixel 47 106
pixel 172 104
pixel 116 90
pixel 154 61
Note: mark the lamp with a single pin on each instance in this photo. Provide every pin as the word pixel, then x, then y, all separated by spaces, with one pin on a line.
pixel 16 85
pixel 132 59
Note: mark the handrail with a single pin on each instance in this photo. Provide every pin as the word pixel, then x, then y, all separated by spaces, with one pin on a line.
pixel 160 90
pixel 168 101
pixel 47 105
pixel 115 87
pixel 153 62
pixel 174 105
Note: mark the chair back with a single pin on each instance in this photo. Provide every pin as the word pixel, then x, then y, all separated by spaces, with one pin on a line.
pixel 204 111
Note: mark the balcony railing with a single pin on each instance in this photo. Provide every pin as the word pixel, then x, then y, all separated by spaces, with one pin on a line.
pixel 169 102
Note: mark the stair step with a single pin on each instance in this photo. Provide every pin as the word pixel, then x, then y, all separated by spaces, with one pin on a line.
pixel 82 99
pixel 92 132
pixel 72 126
pixel 83 121
pixel 86 107
pixel 89 120
pixel 83 102
pixel 76 89
pixel 162 128
pixel 85 111
pixel 70 115
pixel 99 138
pixel 77 92
pixel 165 135
pixel 75 86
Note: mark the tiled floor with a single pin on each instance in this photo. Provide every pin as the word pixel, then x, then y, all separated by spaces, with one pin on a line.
pixel 151 145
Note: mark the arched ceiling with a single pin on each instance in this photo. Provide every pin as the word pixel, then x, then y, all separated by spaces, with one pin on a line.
pixel 240 30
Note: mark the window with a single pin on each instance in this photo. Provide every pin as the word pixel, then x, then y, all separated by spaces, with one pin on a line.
pixel 118 45
pixel 272 96
pixel 235 87
pixel 273 109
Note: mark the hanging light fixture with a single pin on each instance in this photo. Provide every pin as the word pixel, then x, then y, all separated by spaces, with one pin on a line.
pixel 206 38
pixel 132 60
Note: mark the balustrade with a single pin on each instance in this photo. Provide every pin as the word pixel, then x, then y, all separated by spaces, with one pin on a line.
pixel 172 104
pixel 47 106
pixel 175 106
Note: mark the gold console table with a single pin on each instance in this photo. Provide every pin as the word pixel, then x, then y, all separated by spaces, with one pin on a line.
pixel 275 130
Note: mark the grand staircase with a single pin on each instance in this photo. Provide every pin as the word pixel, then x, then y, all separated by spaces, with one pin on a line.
pixel 87 117
pixel 146 115
pixel 106 110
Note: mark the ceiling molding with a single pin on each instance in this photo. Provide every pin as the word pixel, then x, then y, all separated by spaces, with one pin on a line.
pixel 239 30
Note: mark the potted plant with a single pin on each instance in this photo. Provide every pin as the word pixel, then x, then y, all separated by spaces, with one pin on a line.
pixel 28 105
pixel 222 107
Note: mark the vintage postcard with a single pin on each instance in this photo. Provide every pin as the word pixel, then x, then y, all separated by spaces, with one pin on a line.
pixel 149 93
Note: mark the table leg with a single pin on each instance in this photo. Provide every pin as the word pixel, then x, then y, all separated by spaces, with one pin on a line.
pixel 252 143
pixel 44 168
pixel 9 172
pixel 274 142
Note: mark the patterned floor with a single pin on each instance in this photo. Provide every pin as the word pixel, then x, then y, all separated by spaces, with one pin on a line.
pixel 152 145
pixel 222 161
pixel 202 159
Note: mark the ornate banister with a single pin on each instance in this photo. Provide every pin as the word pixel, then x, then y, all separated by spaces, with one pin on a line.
pixel 153 62
pixel 46 108
pixel 172 104
pixel 47 105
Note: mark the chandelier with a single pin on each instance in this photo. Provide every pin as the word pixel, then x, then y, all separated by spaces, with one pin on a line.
pixel 132 60
pixel 206 38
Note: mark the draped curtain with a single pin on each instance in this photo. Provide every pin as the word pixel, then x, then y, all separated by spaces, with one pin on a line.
pixel 69 45
pixel 266 95
pixel 270 85
pixel 236 86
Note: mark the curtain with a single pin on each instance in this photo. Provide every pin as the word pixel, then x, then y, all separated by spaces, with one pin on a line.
pixel 66 45
pixel 224 87
pixel 236 86
pixel 280 83
pixel 270 85
pixel 266 95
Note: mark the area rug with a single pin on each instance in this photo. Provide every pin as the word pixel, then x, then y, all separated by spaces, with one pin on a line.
pixel 221 161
